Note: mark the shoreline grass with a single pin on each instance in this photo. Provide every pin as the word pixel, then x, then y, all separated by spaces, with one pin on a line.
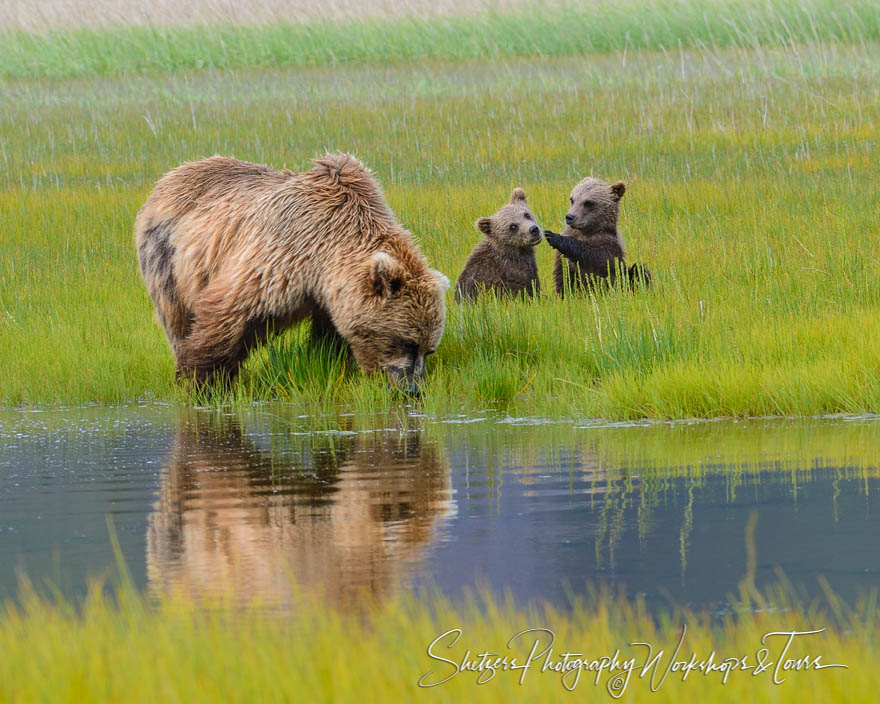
pixel 574 29
pixel 127 648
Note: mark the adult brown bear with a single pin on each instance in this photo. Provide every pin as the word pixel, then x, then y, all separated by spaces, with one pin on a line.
pixel 231 250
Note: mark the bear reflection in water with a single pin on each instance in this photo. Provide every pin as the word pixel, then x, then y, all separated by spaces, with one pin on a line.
pixel 337 513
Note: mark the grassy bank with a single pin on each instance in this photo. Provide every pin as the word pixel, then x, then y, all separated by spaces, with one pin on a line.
pixel 563 29
pixel 131 652
pixel 753 195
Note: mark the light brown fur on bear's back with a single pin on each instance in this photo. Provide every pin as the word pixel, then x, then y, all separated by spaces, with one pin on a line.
pixel 230 249
pixel 233 213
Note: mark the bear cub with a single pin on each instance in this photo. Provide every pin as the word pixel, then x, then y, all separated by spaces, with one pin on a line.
pixel 590 247
pixel 505 260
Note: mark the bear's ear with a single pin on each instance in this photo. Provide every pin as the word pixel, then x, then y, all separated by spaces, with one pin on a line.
pixel 441 280
pixel 518 195
pixel 386 274
pixel 484 225
pixel 618 189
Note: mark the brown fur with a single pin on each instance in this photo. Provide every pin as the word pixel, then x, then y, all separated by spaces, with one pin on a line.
pixel 590 250
pixel 505 260
pixel 339 517
pixel 231 250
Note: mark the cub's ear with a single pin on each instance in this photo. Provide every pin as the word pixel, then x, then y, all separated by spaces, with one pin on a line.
pixel 484 225
pixel 618 189
pixel 385 275
pixel 441 280
pixel 518 195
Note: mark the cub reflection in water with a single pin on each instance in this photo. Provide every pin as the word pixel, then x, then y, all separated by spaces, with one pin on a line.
pixel 338 513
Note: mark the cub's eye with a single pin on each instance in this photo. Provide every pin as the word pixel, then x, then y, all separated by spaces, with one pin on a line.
pixel 571 200
pixel 589 203
pixel 528 216
pixel 512 227
pixel 409 348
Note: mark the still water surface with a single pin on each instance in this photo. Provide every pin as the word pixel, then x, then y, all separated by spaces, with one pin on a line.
pixel 206 501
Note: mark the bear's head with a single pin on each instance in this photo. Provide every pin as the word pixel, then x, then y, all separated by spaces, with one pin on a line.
pixel 400 319
pixel 594 206
pixel 513 225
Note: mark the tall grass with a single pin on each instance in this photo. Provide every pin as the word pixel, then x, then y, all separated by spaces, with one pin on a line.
pixel 522 30
pixel 753 196
pixel 126 650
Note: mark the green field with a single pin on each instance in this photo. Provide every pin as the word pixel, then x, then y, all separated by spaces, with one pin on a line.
pixel 454 30
pixel 751 159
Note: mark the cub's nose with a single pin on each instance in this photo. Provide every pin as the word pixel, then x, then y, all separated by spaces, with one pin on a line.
pixel 535 231
pixel 569 218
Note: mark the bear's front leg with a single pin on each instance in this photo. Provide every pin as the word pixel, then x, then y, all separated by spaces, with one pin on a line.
pixel 222 335
pixel 323 331
pixel 210 350
pixel 567 246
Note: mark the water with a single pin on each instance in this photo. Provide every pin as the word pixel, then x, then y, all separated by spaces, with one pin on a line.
pixel 206 501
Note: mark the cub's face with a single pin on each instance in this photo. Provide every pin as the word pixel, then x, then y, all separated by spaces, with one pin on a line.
pixel 513 225
pixel 400 321
pixel 594 205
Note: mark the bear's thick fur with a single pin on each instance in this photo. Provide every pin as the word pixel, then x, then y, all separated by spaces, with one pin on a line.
pixel 231 250
pixel 590 247
pixel 505 260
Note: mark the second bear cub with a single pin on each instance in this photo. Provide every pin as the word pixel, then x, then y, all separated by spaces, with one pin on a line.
pixel 505 260
pixel 590 247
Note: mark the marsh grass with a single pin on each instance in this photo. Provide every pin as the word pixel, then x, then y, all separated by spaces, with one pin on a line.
pixel 122 647
pixel 753 197
pixel 529 29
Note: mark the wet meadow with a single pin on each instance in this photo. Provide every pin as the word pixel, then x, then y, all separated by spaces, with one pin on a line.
pixel 594 465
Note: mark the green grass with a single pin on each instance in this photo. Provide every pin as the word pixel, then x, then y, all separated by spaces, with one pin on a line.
pixel 528 30
pixel 753 196
pixel 108 651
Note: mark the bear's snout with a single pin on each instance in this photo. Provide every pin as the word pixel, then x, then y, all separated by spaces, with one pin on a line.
pixel 407 377
pixel 569 218
pixel 535 232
